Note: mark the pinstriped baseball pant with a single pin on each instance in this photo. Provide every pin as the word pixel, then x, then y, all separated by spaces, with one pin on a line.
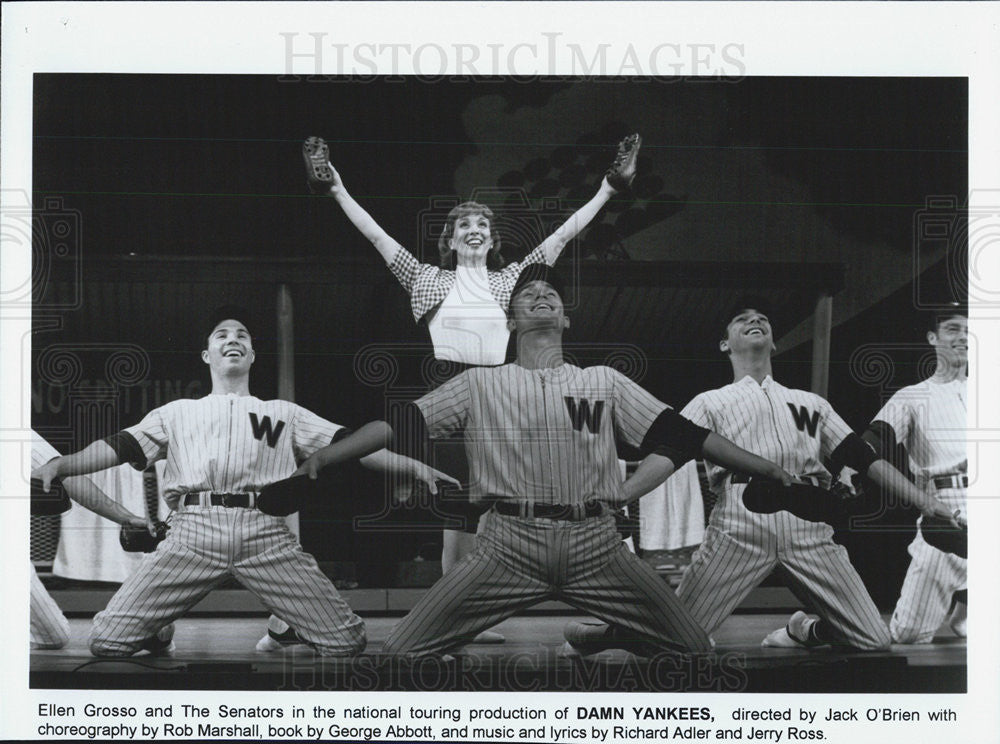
pixel 520 562
pixel 931 579
pixel 204 546
pixel 49 627
pixel 742 548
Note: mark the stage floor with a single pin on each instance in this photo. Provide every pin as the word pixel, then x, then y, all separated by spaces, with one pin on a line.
pixel 218 653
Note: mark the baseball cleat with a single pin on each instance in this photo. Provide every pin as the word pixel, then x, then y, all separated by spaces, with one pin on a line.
pixel 959 620
pixel 319 174
pixel 161 644
pixel 794 635
pixel 489 637
pixel 622 172
pixel 279 635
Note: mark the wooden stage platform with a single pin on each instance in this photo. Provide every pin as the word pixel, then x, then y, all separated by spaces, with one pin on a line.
pixel 216 652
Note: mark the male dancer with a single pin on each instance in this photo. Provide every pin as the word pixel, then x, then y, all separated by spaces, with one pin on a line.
pixel 800 431
pixel 49 627
pixel 220 451
pixel 540 435
pixel 928 419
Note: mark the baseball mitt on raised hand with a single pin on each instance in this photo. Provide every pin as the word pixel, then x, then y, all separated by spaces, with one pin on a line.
pixel 139 539
pixel 805 501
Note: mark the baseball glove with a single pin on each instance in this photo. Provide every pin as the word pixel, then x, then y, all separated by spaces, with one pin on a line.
pixel 139 539
pixel 48 504
pixel 319 174
pixel 287 496
pixel 805 501
pixel 622 172
pixel 943 536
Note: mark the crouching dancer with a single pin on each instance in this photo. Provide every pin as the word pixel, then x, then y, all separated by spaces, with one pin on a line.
pixel 540 437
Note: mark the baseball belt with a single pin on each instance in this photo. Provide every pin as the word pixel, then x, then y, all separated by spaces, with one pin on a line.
pixel 942 482
pixel 229 500
pixel 567 512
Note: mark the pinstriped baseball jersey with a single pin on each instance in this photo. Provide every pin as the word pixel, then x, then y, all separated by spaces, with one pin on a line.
pixel 542 435
pixel 228 443
pixel 797 430
pixel 929 418
pixel 41 451
pixel 49 627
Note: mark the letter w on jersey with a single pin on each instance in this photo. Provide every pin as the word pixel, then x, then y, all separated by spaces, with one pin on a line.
pixel 263 429
pixel 581 413
pixel 803 419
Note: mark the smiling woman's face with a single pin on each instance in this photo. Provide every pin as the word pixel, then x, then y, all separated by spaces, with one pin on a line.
pixel 471 239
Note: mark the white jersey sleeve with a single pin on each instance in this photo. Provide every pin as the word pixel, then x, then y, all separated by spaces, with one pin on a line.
pixel 929 419
pixel 446 408
pixel 310 433
pixel 699 413
pixel 152 435
pixel 635 409
pixel 41 451
pixel 898 414
pixel 833 429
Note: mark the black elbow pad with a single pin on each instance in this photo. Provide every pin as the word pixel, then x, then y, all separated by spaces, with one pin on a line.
pixel 410 435
pixel 128 450
pixel 853 452
pixel 882 438
pixel 675 437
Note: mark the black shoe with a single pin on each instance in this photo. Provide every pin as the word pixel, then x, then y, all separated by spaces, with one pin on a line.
pixel 584 639
pixel 279 635
pixel 161 644
pixel 622 172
